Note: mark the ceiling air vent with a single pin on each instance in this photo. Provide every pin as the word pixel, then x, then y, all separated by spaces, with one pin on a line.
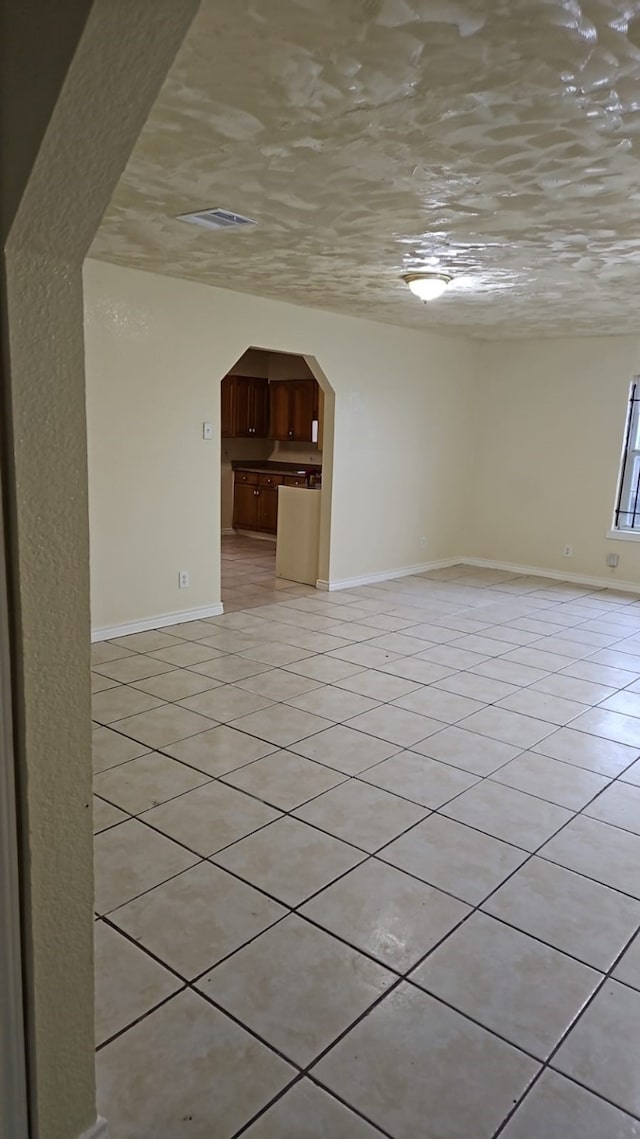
pixel 216 219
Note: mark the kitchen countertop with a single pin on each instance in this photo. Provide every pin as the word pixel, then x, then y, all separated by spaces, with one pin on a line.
pixel 280 468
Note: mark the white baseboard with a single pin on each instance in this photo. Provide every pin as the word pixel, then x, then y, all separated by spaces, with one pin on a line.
pixel 386 575
pixel 108 632
pixel 556 575
pixel 228 530
pixel 98 1130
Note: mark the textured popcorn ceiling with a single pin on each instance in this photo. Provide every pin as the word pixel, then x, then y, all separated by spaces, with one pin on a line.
pixel 498 139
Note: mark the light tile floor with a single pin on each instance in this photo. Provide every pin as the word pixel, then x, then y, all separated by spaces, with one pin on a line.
pixel 368 863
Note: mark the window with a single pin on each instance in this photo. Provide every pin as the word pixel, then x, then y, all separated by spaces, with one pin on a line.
pixel 627 512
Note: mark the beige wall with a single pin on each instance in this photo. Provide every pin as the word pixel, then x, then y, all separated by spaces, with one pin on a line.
pixel 550 421
pixel 156 349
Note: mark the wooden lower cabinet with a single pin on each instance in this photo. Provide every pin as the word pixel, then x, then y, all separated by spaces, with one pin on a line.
pixel 255 507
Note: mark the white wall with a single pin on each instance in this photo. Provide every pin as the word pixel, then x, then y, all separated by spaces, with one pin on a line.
pixel 550 421
pixel 156 349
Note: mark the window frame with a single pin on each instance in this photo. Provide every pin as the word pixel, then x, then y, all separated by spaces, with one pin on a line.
pixel 628 482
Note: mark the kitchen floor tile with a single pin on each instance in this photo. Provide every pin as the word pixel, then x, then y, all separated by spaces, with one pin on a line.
pixel 602 1050
pixel 395 725
pixel 345 749
pixel 390 915
pixel 609 725
pixel 591 752
pixel 176 684
pixel 509 727
pixel 163 725
pixel 114 703
pixel 467 750
pixel 182 1068
pixel 360 814
pixel 556 1107
pixel 210 818
pixel 462 861
pixel 308 1112
pixel 289 860
pixel 143 783
pixel 377 685
pixel 219 750
pixel 297 987
pixel 551 779
pixel 554 709
pixel 572 913
pixel 278 684
pixel 281 724
pixel 416 777
pixel 132 668
pixel 333 703
pixel 599 851
pixel 128 982
pixel 444 706
pixel 110 748
pixel 226 703
pixel 409 1032
pixel 283 779
pixel 507 814
pixel 197 918
pixel 326 670
pixel 105 815
pixel 628 968
pixel 525 991
pixel 131 858
pixel 618 805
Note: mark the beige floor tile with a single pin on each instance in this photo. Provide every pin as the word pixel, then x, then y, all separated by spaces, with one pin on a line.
pixel 147 642
pixel 101 683
pixel 628 967
pixel 326 670
pixel 525 991
pixel 104 651
pixel 367 656
pixel 132 668
pixel 551 779
pixel 105 815
pixel 454 858
pixel 345 749
pixel 509 727
pixel 509 671
pixel 163 725
pixel 277 654
pixel 219 750
pixel 281 724
pixel 411 1032
pixel 333 703
pixel 192 630
pixel 632 774
pixel 284 779
pixel 416 777
pixel 197 918
pixel 543 706
pixel 602 1049
pixel 558 1107
pixel 297 987
pixel 538 658
pixel 145 782
pixel 181 1068
pixel 115 703
pixel 578 916
pixel 228 669
pixel 226 703
pixel 598 673
pixel 128 982
pixel 440 705
pixel 618 805
pixel 507 814
pixel 185 655
pixel 289 860
pixel 378 685
pixel 363 815
pixel 110 748
pixel 610 725
pixel 571 688
pixel 278 684
pixel 177 684
pixel 591 752
pixel 479 755
pixel 209 818
pixel 386 913
pixel 480 688
pixel 131 858
pixel 308 1112
pixel 420 671
pixel 599 851
pixel 451 656
pixel 395 725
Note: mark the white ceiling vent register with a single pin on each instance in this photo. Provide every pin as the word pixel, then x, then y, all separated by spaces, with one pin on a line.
pixel 216 219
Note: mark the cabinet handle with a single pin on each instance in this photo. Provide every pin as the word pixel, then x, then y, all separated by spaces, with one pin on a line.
pixel 291 433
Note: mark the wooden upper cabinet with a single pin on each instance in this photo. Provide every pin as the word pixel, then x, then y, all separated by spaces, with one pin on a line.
pixel 293 406
pixel 244 407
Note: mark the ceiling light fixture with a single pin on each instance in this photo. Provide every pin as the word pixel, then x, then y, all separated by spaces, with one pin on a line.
pixel 427 286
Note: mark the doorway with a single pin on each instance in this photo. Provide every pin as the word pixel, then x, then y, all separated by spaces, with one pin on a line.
pixel 276 445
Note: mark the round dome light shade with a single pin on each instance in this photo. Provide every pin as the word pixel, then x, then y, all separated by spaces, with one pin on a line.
pixel 427 286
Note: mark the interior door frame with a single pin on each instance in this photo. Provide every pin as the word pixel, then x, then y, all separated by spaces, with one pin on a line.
pixel 14 1115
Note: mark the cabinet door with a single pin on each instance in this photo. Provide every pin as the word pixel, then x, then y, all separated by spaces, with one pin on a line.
pixel 303 405
pixel 279 427
pixel 226 407
pixel 258 421
pixel 267 501
pixel 242 407
pixel 245 506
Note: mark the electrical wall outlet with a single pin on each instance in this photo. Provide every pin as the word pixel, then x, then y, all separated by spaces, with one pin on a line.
pixel 612 561
pixel 183 579
pixel 568 551
pixel 423 543
pixel 207 430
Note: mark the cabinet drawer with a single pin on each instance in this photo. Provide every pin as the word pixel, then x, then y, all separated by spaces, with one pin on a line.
pixel 269 480
pixel 247 477
pixel 295 480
